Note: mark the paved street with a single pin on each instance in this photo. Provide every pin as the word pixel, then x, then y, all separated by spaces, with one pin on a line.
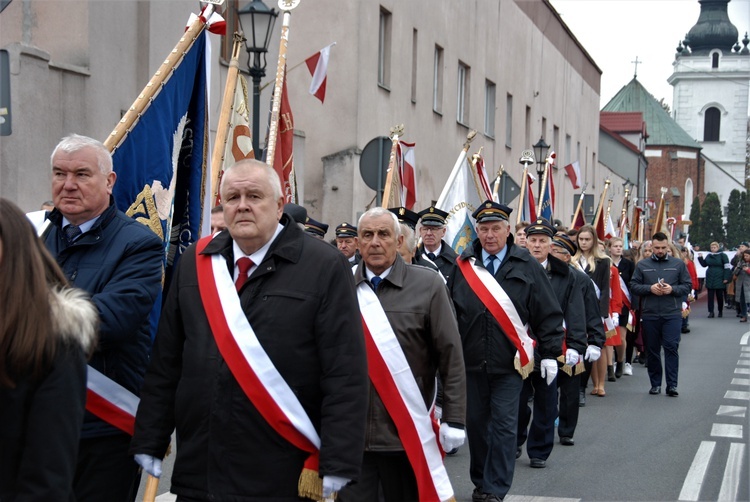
pixel 634 446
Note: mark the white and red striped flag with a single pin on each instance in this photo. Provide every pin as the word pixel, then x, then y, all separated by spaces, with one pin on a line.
pixel 318 66
pixel 574 173
pixel 407 173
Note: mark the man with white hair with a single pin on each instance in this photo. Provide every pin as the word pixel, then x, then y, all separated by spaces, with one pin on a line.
pixel 411 336
pixel 118 261
pixel 259 362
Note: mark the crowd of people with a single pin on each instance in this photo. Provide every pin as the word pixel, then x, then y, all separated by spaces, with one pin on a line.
pixel 292 369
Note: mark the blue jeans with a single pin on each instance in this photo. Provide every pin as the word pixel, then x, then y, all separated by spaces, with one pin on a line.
pixel 491 425
pixel 663 332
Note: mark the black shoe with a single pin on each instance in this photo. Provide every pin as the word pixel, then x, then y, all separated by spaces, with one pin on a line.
pixel 611 374
pixel 711 315
pixel 672 392
pixel 452 452
pixel 721 314
pixel 685 330
pixel 655 390
pixel 478 496
pixel 538 463
pixel 581 398
pixel 618 369
pixel 567 441
pixel 518 452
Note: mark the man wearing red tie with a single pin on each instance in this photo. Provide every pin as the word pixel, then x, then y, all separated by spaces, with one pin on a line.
pixel 259 361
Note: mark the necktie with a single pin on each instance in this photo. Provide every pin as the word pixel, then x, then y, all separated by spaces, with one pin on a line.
pixel 491 264
pixel 431 256
pixel 71 232
pixel 243 264
pixel 375 281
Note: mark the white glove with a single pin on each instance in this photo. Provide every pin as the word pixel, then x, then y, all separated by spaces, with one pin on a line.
pixel 549 370
pixel 451 437
pixel 593 353
pixel 333 484
pixel 571 357
pixel 616 319
pixel 151 465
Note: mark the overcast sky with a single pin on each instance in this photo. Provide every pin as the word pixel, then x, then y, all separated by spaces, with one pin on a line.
pixel 614 32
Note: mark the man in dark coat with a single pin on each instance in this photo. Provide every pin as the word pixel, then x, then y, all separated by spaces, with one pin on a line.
pixel 541 433
pixel 346 242
pixel 433 246
pixel 299 306
pixel 491 353
pixel 118 261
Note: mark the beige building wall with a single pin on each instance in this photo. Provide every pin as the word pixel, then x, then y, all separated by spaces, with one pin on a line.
pixel 77 65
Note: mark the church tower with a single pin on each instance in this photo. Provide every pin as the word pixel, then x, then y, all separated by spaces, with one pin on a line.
pixel 710 81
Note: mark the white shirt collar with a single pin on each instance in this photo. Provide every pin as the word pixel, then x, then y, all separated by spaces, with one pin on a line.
pixel 258 256
pixel 85 226
pixel 382 275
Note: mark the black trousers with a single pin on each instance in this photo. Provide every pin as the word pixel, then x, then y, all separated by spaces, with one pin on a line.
pixel 719 293
pixel 105 471
pixel 386 472
pixel 569 387
pixel 539 435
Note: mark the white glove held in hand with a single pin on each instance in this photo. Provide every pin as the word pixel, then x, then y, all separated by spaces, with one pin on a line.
pixel 571 357
pixel 549 370
pixel 593 353
pixel 333 484
pixel 450 437
pixel 151 465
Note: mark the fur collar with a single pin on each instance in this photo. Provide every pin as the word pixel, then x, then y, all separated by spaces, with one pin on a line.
pixel 75 317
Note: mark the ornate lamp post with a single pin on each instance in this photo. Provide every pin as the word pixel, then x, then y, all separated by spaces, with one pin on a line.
pixel 540 151
pixel 256 22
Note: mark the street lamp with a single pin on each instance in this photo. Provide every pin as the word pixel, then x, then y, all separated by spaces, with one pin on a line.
pixel 540 151
pixel 256 23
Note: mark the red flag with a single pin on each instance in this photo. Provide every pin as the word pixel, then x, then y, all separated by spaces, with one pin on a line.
pixel 318 66
pixel 407 174
pixel 528 208
pixel 483 180
pixel 283 161
pixel 574 173
pixel 599 225
pixel 580 221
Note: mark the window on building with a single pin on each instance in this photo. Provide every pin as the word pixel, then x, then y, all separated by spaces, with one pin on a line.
pixel 568 150
pixel 462 101
pixel 414 66
pixel 711 124
pixel 437 81
pixel 556 144
pixel 544 128
pixel 527 131
pixel 509 121
pixel 715 60
pixel 489 108
pixel 384 49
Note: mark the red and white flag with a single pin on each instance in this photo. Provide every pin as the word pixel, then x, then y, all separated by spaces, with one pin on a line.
pixel 318 66
pixel 574 173
pixel 407 174
pixel 610 230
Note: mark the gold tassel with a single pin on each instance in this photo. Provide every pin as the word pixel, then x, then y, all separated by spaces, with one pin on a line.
pixel 565 368
pixel 524 371
pixel 580 368
pixel 310 485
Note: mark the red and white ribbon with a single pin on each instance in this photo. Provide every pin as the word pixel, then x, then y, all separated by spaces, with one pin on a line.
pixel 392 377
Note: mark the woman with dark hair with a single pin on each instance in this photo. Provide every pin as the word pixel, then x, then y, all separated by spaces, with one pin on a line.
pixel 717 276
pixel 46 331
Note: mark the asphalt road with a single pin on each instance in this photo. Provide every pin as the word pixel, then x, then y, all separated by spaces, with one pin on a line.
pixel 634 446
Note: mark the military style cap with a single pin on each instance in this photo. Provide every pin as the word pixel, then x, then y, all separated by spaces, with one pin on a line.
pixel 564 241
pixel 346 230
pixel 298 213
pixel 491 211
pixel 405 216
pixel 433 217
pixel 315 227
pixel 541 226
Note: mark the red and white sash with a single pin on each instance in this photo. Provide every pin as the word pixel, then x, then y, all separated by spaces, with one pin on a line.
pixel 497 301
pixel 610 328
pixel 251 366
pixel 626 301
pixel 392 377
pixel 110 401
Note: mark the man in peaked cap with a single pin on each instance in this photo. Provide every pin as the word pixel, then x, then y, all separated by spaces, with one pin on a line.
pixel 433 246
pixel 346 242
pixel 540 435
pixel 564 248
pixel 316 228
pixel 498 288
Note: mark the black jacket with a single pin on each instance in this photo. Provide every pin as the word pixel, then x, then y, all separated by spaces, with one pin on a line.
pixel 594 327
pixel 119 263
pixel 445 260
pixel 485 345
pixel 570 297
pixel 302 306
pixel 41 418
pixel 648 272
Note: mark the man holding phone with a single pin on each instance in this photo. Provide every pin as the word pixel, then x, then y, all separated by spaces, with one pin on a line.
pixel 661 282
